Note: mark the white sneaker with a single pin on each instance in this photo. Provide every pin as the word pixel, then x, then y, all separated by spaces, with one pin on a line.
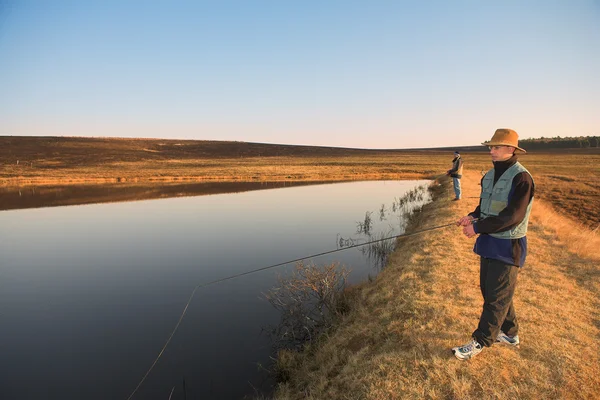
pixel 468 350
pixel 509 340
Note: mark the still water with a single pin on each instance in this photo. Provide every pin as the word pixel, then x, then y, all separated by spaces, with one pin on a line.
pixel 90 293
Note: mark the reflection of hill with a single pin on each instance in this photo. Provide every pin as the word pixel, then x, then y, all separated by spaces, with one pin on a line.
pixel 51 196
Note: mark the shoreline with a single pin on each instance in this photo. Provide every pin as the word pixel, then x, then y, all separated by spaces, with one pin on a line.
pixel 395 341
pixel 19 182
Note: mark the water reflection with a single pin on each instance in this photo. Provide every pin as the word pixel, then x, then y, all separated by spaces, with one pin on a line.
pixel 89 294
pixel 14 198
pixel 392 222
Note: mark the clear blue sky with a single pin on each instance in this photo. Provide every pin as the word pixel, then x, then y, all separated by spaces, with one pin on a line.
pixel 372 74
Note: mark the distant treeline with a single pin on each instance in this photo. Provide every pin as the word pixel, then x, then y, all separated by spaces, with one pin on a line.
pixel 560 143
pixel 543 143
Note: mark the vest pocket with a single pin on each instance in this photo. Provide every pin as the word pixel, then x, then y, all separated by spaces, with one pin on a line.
pixel 496 206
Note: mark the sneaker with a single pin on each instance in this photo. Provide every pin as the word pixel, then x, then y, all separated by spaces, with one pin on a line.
pixel 456 200
pixel 509 340
pixel 468 350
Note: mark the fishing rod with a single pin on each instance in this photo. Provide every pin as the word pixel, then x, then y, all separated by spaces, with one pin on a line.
pixel 202 285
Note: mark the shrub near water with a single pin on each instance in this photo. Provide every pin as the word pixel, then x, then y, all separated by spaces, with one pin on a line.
pixel 309 300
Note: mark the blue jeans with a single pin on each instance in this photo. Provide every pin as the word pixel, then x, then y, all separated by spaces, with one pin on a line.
pixel 456 187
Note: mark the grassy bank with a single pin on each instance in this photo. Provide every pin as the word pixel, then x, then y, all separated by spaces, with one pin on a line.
pixel 395 341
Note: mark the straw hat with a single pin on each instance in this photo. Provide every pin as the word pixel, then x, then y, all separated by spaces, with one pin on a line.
pixel 505 137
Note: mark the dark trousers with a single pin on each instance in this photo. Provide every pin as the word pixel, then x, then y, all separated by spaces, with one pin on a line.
pixel 498 282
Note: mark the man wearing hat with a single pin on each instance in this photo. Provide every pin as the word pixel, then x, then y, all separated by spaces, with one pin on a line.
pixel 456 174
pixel 500 220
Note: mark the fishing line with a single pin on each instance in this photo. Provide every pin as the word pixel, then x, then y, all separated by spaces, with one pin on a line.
pixel 263 269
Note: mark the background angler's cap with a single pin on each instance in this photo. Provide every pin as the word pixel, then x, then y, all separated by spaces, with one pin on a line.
pixel 505 137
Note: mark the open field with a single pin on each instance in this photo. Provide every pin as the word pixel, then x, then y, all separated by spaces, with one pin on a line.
pixel 395 341
pixel 569 181
pixel 78 160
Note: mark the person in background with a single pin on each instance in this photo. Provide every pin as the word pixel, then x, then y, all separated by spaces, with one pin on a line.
pixel 500 220
pixel 456 173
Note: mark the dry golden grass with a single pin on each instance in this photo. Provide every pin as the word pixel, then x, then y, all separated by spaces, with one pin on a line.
pixel 583 242
pixel 379 166
pixel 43 161
pixel 395 342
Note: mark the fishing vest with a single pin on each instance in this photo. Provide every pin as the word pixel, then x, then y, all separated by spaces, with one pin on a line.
pixel 494 198
pixel 459 167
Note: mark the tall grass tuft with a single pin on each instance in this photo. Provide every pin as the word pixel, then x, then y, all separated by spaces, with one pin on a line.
pixel 579 239
pixel 402 208
pixel 364 227
pixel 377 253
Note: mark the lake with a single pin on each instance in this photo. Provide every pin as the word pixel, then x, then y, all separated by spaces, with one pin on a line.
pixel 90 293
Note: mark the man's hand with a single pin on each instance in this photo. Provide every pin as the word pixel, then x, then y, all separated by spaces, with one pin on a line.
pixel 469 231
pixel 465 221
